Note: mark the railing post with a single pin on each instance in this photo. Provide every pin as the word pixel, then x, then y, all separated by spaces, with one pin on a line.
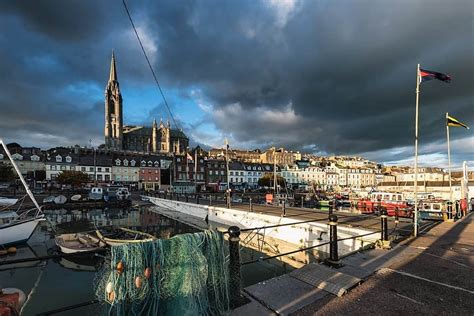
pixel 197 198
pixel 235 284
pixel 449 210
pixel 283 207
pixel 302 202
pixel 250 204
pixel 210 200
pixel 333 251
pixel 187 198
pixel 383 224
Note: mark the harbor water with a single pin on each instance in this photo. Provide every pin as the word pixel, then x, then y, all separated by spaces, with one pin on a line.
pixel 56 283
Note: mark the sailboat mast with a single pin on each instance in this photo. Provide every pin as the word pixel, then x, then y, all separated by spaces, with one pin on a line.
pixel 28 191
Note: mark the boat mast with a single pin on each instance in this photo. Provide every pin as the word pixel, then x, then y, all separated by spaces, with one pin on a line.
pixel 28 191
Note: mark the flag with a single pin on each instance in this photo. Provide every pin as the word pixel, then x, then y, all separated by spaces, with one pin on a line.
pixel 426 75
pixel 451 121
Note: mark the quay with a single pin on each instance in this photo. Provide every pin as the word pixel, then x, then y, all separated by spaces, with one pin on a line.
pixel 429 275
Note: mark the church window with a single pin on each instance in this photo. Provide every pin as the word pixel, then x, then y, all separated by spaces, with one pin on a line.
pixel 68 159
pixel 59 158
pixel 125 162
pixel 117 162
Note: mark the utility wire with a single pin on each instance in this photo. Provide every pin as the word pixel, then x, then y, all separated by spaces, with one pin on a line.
pixel 149 64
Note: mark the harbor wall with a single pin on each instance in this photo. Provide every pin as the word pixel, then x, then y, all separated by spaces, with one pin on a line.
pixel 291 236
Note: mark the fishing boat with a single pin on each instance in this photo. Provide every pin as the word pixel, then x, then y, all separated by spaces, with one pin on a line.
pixel 394 203
pixel 11 301
pixel 123 235
pixel 433 209
pixel 49 199
pixel 60 199
pixel 4 202
pixel 96 194
pixel 18 229
pixel 76 197
pixel 78 242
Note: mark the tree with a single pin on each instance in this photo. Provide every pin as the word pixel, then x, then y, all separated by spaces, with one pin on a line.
pixel 267 181
pixel 73 178
pixel 6 173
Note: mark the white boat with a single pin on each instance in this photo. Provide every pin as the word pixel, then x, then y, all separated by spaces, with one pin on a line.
pixel 78 242
pixel 96 194
pixel 76 197
pixel 7 201
pixel 19 228
pixel 49 199
pixel 60 199
pixel 129 236
pixel 11 301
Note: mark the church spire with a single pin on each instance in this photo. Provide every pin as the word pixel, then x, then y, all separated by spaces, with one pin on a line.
pixel 113 71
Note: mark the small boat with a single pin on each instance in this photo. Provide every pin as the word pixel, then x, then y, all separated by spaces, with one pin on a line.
pixel 78 242
pixel 7 201
pixel 76 197
pixel 96 194
pixel 48 199
pixel 60 199
pixel 11 301
pixel 124 235
pixel 433 209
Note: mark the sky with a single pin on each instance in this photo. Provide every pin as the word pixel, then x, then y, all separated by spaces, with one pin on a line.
pixel 324 77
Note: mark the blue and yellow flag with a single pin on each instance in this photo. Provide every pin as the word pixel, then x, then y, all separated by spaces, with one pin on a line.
pixel 451 121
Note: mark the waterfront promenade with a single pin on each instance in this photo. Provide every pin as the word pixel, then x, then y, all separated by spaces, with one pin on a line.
pixel 431 274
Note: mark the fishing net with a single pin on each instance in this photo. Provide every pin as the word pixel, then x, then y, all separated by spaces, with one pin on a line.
pixel 184 275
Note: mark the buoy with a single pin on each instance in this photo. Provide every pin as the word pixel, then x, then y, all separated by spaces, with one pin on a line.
pixel 11 250
pixel 147 273
pixel 111 296
pixel 138 282
pixel 109 288
pixel 120 267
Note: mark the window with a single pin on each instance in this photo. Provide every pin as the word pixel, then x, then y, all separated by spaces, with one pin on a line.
pixel 63 167
pixel 83 169
pixel 143 163
pixel 222 172
pixel 150 163
pixel 210 172
pixel 99 177
pixel 156 171
pixel 202 169
pixel 106 169
pixel 107 177
pixel 59 158
pixel 156 178
pixel 1 156
pixel 117 162
pixel 178 159
pixel 157 164
pixel 91 169
pixel 68 159
pixel 132 163
pixel 231 173
pixel 125 162
pixel 53 167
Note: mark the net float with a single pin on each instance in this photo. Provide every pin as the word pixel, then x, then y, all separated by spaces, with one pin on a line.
pixel 109 288
pixel 120 267
pixel 138 282
pixel 11 250
pixel 111 296
pixel 147 273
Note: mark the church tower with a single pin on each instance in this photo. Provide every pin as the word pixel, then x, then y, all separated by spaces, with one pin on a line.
pixel 113 111
pixel 154 137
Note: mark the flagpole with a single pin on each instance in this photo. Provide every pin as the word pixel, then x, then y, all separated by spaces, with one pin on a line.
pixel 449 160
pixel 415 223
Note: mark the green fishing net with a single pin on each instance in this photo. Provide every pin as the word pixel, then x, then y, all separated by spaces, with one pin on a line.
pixel 184 275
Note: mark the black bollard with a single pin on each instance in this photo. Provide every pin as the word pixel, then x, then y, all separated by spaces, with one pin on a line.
pixel 449 210
pixel 250 204
pixel 302 202
pixel 235 284
pixel 283 206
pixel 197 198
pixel 187 198
pixel 333 252
pixel 384 226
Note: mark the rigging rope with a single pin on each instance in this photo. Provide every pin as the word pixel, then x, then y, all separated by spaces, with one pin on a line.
pixel 149 64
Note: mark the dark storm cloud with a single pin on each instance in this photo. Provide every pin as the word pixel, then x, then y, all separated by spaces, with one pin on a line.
pixel 343 72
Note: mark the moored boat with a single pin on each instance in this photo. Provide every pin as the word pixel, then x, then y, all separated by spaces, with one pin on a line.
pixel 11 301
pixel 78 242
pixel 124 235
pixel 394 203
pixel 7 201
pixel 60 199
pixel 433 209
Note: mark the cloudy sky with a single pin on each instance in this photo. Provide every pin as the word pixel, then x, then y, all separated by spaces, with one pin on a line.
pixel 327 77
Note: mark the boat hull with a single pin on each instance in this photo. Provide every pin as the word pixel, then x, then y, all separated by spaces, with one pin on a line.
pixel 18 233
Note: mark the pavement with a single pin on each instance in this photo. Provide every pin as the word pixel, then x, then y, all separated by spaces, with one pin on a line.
pixel 432 274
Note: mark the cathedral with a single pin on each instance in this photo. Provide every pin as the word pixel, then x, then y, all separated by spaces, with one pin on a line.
pixel 156 139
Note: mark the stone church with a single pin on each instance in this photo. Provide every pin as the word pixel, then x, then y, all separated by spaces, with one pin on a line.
pixel 155 139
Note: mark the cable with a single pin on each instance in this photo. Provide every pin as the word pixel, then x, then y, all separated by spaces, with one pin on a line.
pixel 149 64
